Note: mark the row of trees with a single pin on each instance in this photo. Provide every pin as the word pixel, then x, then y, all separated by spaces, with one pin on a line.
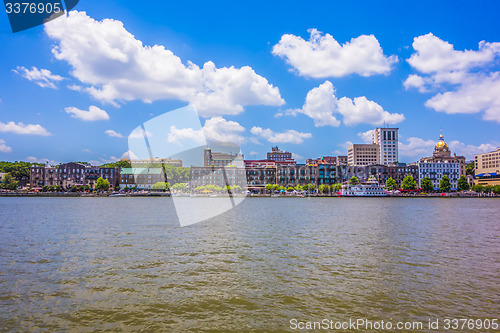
pixel 214 188
pixel 426 184
pixel 486 189
pixel 165 186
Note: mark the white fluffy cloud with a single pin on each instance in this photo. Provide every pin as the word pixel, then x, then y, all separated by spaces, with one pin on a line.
pixel 367 136
pixel 177 135
pixel 93 114
pixel 417 147
pixel 20 128
pixel 115 67
pixel 42 77
pixel 415 81
pixel 477 94
pixel 435 56
pixel 463 79
pixel 215 129
pixel 290 136
pixel 113 134
pixel 34 159
pixel 4 148
pixel 470 150
pixel 220 130
pixel 322 56
pixel 321 105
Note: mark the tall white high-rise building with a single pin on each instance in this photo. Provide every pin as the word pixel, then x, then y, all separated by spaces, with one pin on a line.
pixel 387 139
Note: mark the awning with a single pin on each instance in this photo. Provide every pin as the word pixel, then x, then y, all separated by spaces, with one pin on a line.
pixel 493 174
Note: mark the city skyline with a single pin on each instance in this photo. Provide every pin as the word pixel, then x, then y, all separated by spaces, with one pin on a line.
pixel 312 86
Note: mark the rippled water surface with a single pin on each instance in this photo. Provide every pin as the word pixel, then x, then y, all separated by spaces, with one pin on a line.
pixel 87 264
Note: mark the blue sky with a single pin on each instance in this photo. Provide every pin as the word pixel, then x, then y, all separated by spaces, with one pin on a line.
pixel 76 88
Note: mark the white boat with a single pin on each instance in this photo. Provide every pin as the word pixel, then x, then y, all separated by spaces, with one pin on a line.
pixel 369 189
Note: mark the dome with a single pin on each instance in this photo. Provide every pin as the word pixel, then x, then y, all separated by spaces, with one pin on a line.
pixel 441 143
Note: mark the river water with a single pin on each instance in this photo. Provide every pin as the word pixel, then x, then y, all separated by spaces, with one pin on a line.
pixel 125 264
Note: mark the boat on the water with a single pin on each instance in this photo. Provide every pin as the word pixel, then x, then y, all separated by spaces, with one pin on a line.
pixel 369 189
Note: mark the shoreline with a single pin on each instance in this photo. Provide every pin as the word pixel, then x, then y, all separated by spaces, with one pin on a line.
pixel 159 195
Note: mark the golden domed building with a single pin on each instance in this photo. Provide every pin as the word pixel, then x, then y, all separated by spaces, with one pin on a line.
pixel 442 163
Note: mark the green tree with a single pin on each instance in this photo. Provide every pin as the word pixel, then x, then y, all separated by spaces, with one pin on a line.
pixel 336 187
pixel 469 168
pixel 391 184
pixel 426 184
pixel 18 170
pixel 463 184
pixel 181 187
pixel 8 182
pixel 324 188
pixel 354 180
pixel 444 184
pixel 309 187
pixel 160 186
pixel 290 189
pixel 102 184
pixel 299 188
pixel 409 183
pixel 269 187
pixel 477 188
pixel 496 189
pixel 74 188
pixel 118 164
pixel 176 174
pixel 200 188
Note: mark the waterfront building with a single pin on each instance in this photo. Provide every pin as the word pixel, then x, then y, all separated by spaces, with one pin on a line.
pixel 327 173
pixel 442 163
pixel 298 174
pixel 141 178
pixel 218 176
pixel 387 139
pixel 93 173
pixel 278 155
pixel 487 168
pixel 220 159
pixel 258 177
pixel 363 154
pixel 71 174
pixel 399 172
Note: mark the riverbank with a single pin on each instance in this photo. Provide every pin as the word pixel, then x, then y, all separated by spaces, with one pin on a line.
pixel 254 195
